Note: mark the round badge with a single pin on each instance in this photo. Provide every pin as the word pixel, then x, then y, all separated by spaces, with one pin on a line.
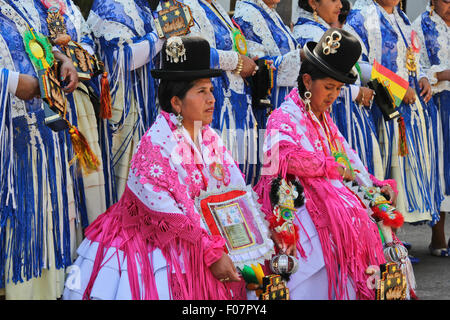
pixel 217 171
pixel 239 42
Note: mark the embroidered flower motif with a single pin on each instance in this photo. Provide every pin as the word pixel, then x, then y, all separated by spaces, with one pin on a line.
pixel 317 145
pixel 156 171
pixel 196 177
pixel 286 127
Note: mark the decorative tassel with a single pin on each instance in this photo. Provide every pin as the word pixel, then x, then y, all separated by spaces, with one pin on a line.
pixel 105 98
pixel 402 144
pixel 87 159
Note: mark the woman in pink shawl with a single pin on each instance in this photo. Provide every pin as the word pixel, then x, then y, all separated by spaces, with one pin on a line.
pixel 337 239
pixel 153 244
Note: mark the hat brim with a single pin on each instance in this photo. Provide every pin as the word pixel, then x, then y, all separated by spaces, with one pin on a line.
pixel 308 48
pixel 185 75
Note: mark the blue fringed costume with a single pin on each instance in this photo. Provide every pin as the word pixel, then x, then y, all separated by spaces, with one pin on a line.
pixel 127 43
pixel 233 116
pixel 434 35
pixel 39 210
pixel 385 38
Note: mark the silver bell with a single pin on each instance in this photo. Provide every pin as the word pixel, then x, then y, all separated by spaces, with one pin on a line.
pixel 283 264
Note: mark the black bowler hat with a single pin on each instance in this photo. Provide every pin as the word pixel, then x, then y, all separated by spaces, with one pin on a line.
pixel 336 54
pixel 185 58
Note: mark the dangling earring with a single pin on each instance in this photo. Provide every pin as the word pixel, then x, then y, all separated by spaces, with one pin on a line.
pixel 316 18
pixel 431 10
pixel 401 5
pixel 179 121
pixel 308 95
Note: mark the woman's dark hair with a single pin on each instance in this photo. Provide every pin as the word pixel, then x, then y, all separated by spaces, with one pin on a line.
pixel 168 89
pixel 305 5
pixel 315 73
pixel 345 10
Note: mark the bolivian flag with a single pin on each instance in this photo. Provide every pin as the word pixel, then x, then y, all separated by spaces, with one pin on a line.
pixel 395 84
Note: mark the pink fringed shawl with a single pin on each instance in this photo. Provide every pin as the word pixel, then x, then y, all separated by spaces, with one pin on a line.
pixel 134 228
pixel 349 238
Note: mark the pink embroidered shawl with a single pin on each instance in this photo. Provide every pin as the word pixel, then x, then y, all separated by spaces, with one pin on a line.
pixel 349 238
pixel 157 211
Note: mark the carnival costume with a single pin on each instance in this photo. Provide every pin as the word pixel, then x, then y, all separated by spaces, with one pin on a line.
pixel 128 44
pixel 407 150
pixel 233 115
pixel 89 187
pixel 39 218
pixel 434 35
pixel 153 243
pixel 353 120
pixel 268 38
pixel 337 239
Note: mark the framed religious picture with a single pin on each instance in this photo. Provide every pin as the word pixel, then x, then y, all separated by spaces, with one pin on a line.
pixel 174 19
pixel 233 214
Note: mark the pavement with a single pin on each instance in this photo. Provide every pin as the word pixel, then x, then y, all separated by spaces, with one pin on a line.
pixel 432 273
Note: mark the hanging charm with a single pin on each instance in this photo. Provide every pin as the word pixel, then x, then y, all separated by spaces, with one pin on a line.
pixel 179 121
pixel 308 95
pixel 175 50
pixel 411 64
pixel 332 43
pixel 316 17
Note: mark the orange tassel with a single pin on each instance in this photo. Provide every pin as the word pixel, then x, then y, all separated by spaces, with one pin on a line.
pixel 83 153
pixel 402 143
pixel 105 98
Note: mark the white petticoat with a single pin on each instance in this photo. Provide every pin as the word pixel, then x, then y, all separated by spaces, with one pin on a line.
pixel 112 280
pixel 310 282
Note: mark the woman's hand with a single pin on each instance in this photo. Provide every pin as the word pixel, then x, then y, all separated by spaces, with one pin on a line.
pixel 365 96
pixel 224 269
pixel 346 173
pixel 248 66
pixel 387 189
pixel 425 86
pixel 410 96
pixel 27 87
pixel 443 75
pixel 68 73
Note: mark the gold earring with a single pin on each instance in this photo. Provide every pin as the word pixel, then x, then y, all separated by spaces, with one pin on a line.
pixel 431 10
pixel 401 5
pixel 316 18
pixel 308 95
